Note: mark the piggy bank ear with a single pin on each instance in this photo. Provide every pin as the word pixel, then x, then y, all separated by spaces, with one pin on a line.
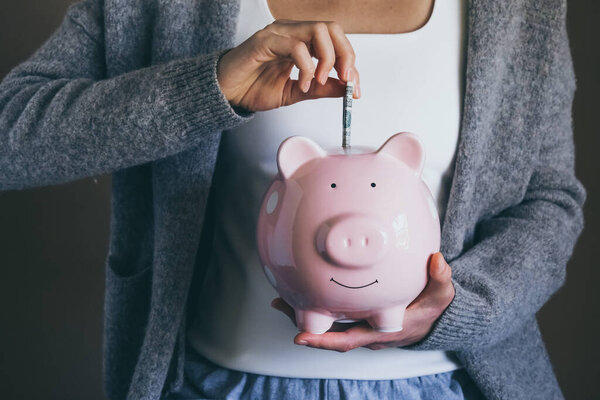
pixel 294 152
pixel 407 148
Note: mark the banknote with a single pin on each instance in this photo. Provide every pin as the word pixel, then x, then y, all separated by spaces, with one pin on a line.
pixel 347 115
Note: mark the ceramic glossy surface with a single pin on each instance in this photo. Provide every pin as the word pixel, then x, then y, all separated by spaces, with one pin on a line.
pixel 347 235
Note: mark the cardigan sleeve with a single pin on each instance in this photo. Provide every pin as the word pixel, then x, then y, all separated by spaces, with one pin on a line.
pixel 62 119
pixel 518 260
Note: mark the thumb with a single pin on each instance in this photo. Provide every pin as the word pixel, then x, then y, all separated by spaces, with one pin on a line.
pixel 440 272
pixel 439 290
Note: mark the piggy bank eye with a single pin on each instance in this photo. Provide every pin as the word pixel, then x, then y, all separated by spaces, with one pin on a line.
pixel 333 185
pixel 373 184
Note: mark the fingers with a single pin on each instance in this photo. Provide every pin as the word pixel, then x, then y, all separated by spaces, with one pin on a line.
pixel 357 336
pixel 330 45
pixel 292 92
pixel 344 63
pixel 255 75
pixel 342 337
pixel 324 51
pixel 283 46
pixel 440 272
pixel 356 93
pixel 439 290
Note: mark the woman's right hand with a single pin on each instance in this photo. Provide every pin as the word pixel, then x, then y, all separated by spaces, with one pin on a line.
pixel 256 74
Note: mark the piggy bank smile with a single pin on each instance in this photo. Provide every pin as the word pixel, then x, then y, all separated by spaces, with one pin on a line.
pixel 334 222
pixel 354 287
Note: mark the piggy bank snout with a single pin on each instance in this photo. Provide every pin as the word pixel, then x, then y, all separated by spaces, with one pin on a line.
pixel 353 242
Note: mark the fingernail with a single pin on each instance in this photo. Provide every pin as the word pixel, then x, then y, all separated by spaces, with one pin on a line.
pixel 323 78
pixel 347 75
pixel 441 266
pixel 302 342
pixel 307 86
pixel 357 90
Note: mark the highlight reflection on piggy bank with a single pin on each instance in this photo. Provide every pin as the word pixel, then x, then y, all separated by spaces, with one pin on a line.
pixel 348 235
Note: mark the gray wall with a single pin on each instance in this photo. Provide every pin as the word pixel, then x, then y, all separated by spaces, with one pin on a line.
pixel 53 242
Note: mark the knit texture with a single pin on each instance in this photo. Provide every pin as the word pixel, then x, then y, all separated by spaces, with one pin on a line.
pixel 129 88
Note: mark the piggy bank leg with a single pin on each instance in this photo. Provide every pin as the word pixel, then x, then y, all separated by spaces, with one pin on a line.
pixel 314 321
pixel 388 319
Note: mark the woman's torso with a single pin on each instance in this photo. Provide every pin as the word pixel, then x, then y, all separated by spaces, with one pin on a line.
pixel 410 82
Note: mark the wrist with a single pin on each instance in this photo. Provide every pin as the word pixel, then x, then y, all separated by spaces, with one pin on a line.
pixel 223 72
pixel 220 78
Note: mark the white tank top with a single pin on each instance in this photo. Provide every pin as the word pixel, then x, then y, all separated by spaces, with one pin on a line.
pixel 409 82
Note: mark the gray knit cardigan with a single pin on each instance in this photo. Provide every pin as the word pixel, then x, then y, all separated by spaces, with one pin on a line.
pixel 129 87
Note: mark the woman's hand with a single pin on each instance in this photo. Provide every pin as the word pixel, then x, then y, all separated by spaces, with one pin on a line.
pixel 256 74
pixel 418 319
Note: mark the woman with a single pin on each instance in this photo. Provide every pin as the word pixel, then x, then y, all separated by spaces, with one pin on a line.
pixel 145 90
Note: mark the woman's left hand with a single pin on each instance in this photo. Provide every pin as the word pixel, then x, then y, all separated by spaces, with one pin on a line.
pixel 418 319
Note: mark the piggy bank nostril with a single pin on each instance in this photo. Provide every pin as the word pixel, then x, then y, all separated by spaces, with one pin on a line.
pixel 352 241
pixel 327 247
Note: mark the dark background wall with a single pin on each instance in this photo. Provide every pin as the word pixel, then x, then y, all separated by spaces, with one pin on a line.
pixel 53 242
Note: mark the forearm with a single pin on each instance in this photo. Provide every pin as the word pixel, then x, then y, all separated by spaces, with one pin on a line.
pixel 504 279
pixel 517 258
pixel 61 118
pixel 62 129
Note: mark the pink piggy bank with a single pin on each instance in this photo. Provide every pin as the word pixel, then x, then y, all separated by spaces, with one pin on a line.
pixel 347 235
